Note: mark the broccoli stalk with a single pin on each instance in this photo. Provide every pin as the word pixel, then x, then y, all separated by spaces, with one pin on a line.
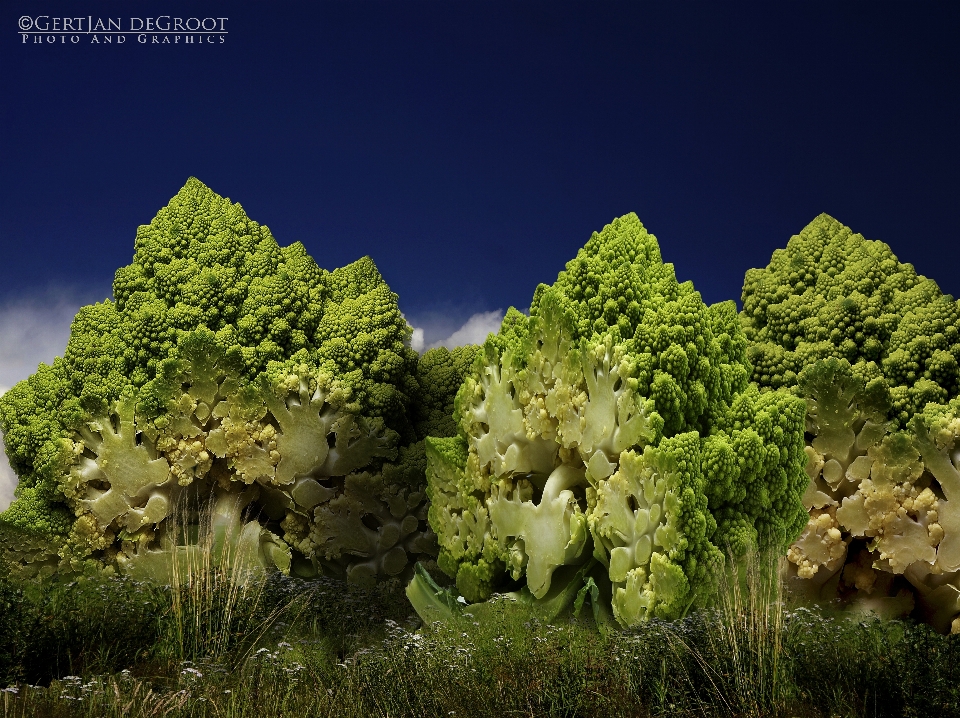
pixel 545 535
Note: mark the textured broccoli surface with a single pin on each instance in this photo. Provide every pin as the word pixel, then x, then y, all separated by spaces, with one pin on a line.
pixel 872 347
pixel 231 387
pixel 615 423
pixel 832 293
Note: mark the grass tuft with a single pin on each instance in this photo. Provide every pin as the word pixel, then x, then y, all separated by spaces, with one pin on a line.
pixel 282 646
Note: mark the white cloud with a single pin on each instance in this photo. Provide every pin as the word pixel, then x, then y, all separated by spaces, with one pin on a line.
pixel 33 330
pixel 8 480
pixel 473 331
pixel 416 340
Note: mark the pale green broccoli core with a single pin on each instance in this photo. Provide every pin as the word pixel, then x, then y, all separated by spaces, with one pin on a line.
pixel 614 416
pixel 132 475
pixel 937 449
pixel 497 425
pixel 341 528
pixel 635 523
pixel 550 534
pixel 306 422
pixel 230 542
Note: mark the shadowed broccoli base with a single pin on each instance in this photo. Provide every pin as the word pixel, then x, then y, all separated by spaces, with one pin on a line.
pixel 883 534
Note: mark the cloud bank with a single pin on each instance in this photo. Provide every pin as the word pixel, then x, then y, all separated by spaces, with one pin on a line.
pixel 8 481
pixel 473 331
pixel 33 330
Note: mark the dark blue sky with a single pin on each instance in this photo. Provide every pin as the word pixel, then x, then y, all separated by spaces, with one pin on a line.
pixel 472 147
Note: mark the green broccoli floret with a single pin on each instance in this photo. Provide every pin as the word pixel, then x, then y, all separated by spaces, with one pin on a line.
pixel 651 526
pixel 561 452
pixel 754 461
pixel 832 293
pixel 236 378
pixel 440 373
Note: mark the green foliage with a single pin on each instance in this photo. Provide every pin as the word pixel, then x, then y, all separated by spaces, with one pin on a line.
pixel 55 628
pixel 322 647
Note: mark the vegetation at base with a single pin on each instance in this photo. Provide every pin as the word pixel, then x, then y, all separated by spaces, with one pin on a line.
pixel 294 647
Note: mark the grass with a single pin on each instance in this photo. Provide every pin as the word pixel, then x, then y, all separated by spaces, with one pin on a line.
pixel 288 647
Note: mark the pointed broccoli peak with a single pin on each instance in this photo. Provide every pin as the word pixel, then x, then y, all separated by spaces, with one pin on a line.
pixel 355 279
pixel 363 312
pixel 612 277
pixel 832 293
pixel 201 262
pixel 201 226
pixel 203 265
pixel 688 356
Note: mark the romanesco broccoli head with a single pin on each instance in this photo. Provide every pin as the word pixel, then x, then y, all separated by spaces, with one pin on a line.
pixel 231 378
pixel 871 347
pixel 601 427
pixel 832 293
